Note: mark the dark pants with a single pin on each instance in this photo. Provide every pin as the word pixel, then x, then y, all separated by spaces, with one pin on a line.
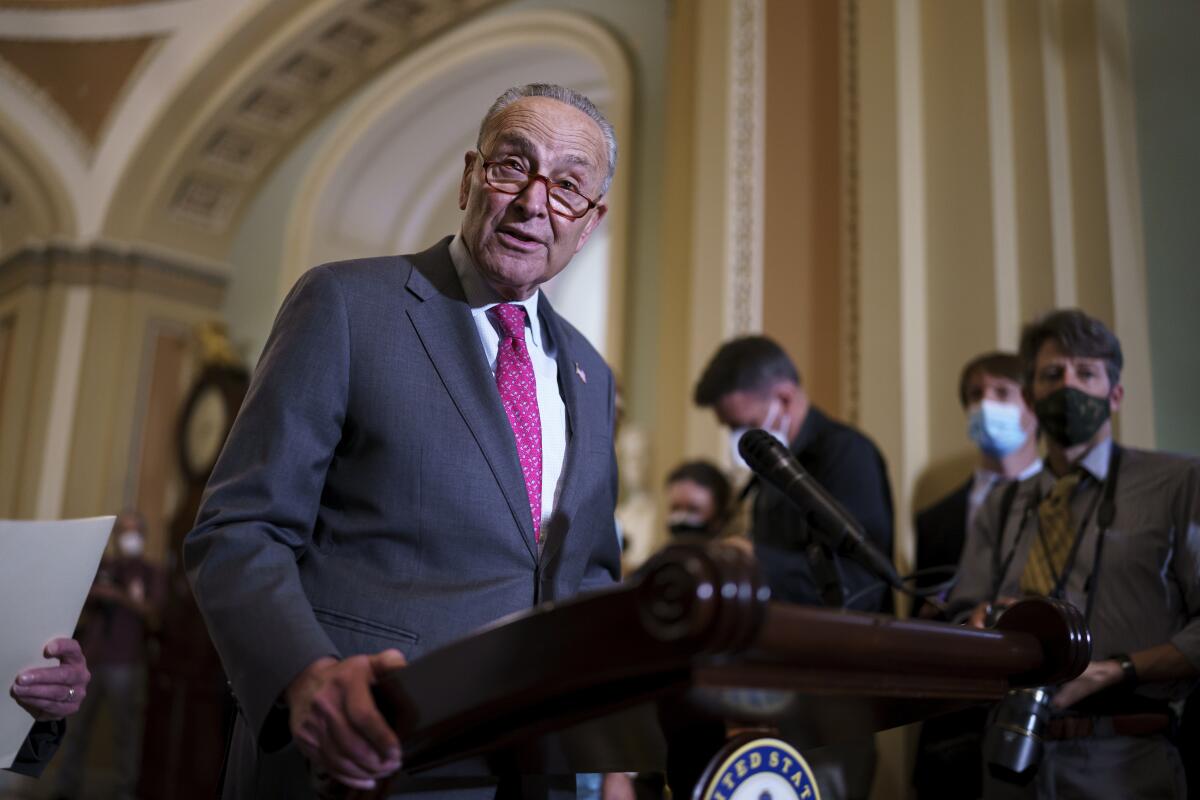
pixel 949 761
pixel 1094 768
pixel 123 688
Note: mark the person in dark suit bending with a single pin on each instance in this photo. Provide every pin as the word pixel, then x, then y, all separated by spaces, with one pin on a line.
pixel 1003 428
pixel 425 447
pixel 751 383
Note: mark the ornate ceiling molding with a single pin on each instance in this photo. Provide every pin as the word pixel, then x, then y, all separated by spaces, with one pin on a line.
pixel 208 165
pixel 96 22
pixel 34 205
pixel 57 5
pixel 746 115
pixel 110 266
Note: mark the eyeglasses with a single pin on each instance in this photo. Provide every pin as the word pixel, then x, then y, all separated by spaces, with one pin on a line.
pixel 509 177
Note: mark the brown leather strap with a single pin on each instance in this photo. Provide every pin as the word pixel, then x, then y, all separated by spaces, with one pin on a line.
pixel 1140 724
pixel 1118 725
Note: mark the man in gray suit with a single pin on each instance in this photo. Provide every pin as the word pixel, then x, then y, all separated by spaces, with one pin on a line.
pixel 426 446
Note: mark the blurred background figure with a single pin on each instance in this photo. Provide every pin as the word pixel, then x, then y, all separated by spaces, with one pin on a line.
pixel 698 500
pixel 751 382
pixel 120 610
pixel 1003 429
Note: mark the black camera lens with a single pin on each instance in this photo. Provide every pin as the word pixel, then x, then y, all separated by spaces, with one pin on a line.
pixel 1013 746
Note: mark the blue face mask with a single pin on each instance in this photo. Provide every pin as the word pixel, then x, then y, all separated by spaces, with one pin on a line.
pixel 996 428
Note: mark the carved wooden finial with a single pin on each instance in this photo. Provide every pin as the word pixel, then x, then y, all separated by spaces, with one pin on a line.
pixel 215 346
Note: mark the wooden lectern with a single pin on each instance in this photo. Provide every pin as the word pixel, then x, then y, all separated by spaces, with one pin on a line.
pixel 624 679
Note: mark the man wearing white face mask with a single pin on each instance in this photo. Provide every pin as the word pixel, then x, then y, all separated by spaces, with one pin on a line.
pixel 751 383
pixel 1004 430
pixel 120 607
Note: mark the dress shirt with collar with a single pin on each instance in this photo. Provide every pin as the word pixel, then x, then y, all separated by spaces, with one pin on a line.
pixel 551 409
pixel 1147 587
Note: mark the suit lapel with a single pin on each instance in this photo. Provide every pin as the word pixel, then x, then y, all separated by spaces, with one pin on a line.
pixel 961 503
pixel 571 388
pixel 447 330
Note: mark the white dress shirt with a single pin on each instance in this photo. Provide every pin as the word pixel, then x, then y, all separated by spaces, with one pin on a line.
pixel 551 409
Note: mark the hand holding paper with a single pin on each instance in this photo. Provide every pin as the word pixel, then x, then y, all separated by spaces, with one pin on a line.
pixel 54 692
pixel 46 569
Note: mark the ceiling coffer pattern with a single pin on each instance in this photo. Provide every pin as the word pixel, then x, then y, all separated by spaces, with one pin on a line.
pixel 302 83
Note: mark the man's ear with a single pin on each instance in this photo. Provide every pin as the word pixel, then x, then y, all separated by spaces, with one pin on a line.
pixel 601 209
pixel 1115 397
pixel 1027 414
pixel 464 186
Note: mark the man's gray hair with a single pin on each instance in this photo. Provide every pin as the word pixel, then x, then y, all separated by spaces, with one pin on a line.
pixel 563 95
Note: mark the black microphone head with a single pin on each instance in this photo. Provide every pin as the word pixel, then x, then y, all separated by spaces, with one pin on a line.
pixel 762 451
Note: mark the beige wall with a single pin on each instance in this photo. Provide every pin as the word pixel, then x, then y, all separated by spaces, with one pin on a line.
pixel 803 297
pixel 82 331
pixel 27 386
pixel 984 188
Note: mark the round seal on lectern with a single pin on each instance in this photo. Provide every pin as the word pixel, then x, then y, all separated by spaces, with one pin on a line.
pixel 751 768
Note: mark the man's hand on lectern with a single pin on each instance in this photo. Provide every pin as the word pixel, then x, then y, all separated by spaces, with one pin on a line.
pixel 985 614
pixel 335 722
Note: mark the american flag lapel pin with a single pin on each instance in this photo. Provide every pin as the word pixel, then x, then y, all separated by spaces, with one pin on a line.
pixel 579 371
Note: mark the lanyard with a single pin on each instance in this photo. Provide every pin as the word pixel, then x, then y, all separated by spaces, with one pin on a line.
pixel 1103 508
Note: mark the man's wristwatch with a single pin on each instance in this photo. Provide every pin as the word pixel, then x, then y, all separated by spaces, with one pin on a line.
pixel 1129 674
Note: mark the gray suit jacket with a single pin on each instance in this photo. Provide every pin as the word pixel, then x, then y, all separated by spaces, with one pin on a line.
pixel 370 495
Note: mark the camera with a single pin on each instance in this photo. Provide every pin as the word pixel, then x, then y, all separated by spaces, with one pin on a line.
pixel 1013 745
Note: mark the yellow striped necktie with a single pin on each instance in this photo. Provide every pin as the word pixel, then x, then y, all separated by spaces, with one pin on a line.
pixel 1050 550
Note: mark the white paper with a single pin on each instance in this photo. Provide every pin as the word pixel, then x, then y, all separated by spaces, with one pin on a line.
pixel 46 570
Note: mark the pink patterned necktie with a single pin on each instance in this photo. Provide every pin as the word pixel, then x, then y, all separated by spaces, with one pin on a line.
pixel 518 392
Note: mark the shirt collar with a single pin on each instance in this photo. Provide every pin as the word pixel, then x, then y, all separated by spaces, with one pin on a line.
pixel 1096 460
pixel 481 297
pixel 1033 469
pixel 986 477
pixel 1094 463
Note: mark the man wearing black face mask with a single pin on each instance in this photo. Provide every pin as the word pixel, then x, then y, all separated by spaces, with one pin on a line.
pixel 1116 532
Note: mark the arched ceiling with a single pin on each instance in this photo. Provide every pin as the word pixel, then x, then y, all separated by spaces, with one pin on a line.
pixel 162 118
pixel 61 4
pixel 81 80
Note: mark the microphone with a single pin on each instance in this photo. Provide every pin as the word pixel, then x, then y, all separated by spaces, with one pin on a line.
pixel 775 464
